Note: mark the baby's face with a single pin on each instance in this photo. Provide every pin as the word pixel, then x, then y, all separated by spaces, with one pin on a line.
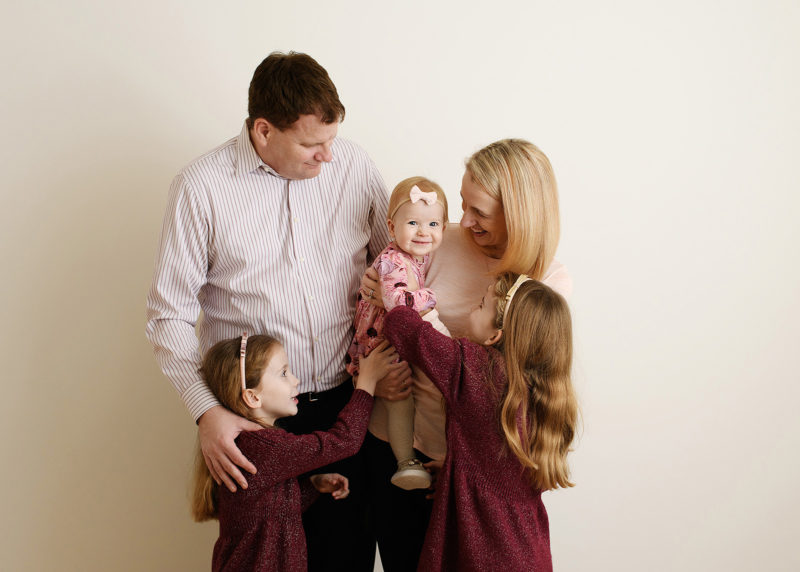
pixel 417 227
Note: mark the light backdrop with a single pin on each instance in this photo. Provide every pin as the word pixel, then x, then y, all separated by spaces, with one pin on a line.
pixel 674 131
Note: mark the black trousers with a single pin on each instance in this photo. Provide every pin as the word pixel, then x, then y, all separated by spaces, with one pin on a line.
pixel 400 517
pixel 338 532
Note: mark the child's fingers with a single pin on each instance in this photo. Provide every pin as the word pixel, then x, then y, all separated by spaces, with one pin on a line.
pixel 433 467
pixel 341 486
pixel 385 349
pixel 343 490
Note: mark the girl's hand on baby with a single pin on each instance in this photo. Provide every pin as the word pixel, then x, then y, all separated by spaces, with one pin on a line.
pixel 375 366
pixel 333 483
pixel 396 385
pixel 371 289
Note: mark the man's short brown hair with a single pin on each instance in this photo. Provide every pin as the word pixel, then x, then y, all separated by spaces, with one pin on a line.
pixel 286 86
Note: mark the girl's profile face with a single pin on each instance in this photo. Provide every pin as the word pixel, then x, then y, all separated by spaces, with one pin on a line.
pixel 277 389
pixel 482 327
pixel 417 227
pixel 483 217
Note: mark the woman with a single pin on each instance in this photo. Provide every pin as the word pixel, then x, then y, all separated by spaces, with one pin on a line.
pixel 510 224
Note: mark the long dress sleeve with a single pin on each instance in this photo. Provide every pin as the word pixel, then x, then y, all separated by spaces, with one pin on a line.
pixel 308 493
pixel 420 344
pixel 279 455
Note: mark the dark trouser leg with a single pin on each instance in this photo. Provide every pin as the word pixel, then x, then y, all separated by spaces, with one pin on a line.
pixel 338 534
pixel 400 517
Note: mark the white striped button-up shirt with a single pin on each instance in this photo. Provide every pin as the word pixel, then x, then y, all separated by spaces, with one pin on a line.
pixel 263 254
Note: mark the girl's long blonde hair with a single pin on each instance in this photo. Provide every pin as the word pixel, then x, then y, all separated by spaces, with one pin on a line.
pixel 539 412
pixel 222 374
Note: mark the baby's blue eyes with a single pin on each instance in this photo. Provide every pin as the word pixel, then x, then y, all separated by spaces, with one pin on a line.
pixel 415 223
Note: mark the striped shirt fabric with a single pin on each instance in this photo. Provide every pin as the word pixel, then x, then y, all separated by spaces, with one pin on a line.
pixel 260 253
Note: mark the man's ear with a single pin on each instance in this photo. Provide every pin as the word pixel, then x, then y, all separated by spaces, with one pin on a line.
pixel 261 131
pixel 494 338
pixel 251 399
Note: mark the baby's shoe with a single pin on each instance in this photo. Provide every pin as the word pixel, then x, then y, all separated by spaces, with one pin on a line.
pixel 411 475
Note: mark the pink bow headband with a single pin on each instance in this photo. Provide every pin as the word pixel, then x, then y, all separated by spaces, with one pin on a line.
pixel 415 195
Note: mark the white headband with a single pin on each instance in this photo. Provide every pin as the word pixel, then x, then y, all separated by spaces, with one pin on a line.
pixel 521 279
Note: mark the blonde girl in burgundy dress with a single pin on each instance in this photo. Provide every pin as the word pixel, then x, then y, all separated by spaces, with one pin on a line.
pixel 511 417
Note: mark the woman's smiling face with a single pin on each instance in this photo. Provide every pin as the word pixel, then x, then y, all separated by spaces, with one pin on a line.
pixel 483 217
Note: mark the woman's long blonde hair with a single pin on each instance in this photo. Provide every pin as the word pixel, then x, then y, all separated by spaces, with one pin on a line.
pixel 539 411
pixel 517 173
pixel 222 374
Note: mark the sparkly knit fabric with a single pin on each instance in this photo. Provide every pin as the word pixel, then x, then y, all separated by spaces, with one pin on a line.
pixel 260 528
pixel 485 514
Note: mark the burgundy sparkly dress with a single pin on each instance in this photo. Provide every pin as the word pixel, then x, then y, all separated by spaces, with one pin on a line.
pixel 260 528
pixel 486 515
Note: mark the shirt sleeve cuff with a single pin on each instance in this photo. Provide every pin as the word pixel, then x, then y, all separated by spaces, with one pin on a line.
pixel 199 399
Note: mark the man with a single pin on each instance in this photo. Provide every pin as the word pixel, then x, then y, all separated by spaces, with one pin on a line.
pixel 270 233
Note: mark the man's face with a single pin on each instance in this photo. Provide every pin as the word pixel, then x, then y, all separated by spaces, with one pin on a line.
pixel 298 151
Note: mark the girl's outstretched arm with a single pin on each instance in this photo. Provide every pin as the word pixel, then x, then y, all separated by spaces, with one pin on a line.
pixel 279 455
pixel 420 344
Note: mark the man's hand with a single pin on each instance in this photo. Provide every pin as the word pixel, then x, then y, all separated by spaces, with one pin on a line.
pixel 371 289
pixel 397 384
pixel 217 428
pixel 333 483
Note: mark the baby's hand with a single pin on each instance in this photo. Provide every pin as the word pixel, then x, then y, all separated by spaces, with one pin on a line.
pixel 375 366
pixel 333 483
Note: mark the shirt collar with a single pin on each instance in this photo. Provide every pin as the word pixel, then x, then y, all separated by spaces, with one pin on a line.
pixel 247 160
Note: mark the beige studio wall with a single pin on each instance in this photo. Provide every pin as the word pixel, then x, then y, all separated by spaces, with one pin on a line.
pixel 674 132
